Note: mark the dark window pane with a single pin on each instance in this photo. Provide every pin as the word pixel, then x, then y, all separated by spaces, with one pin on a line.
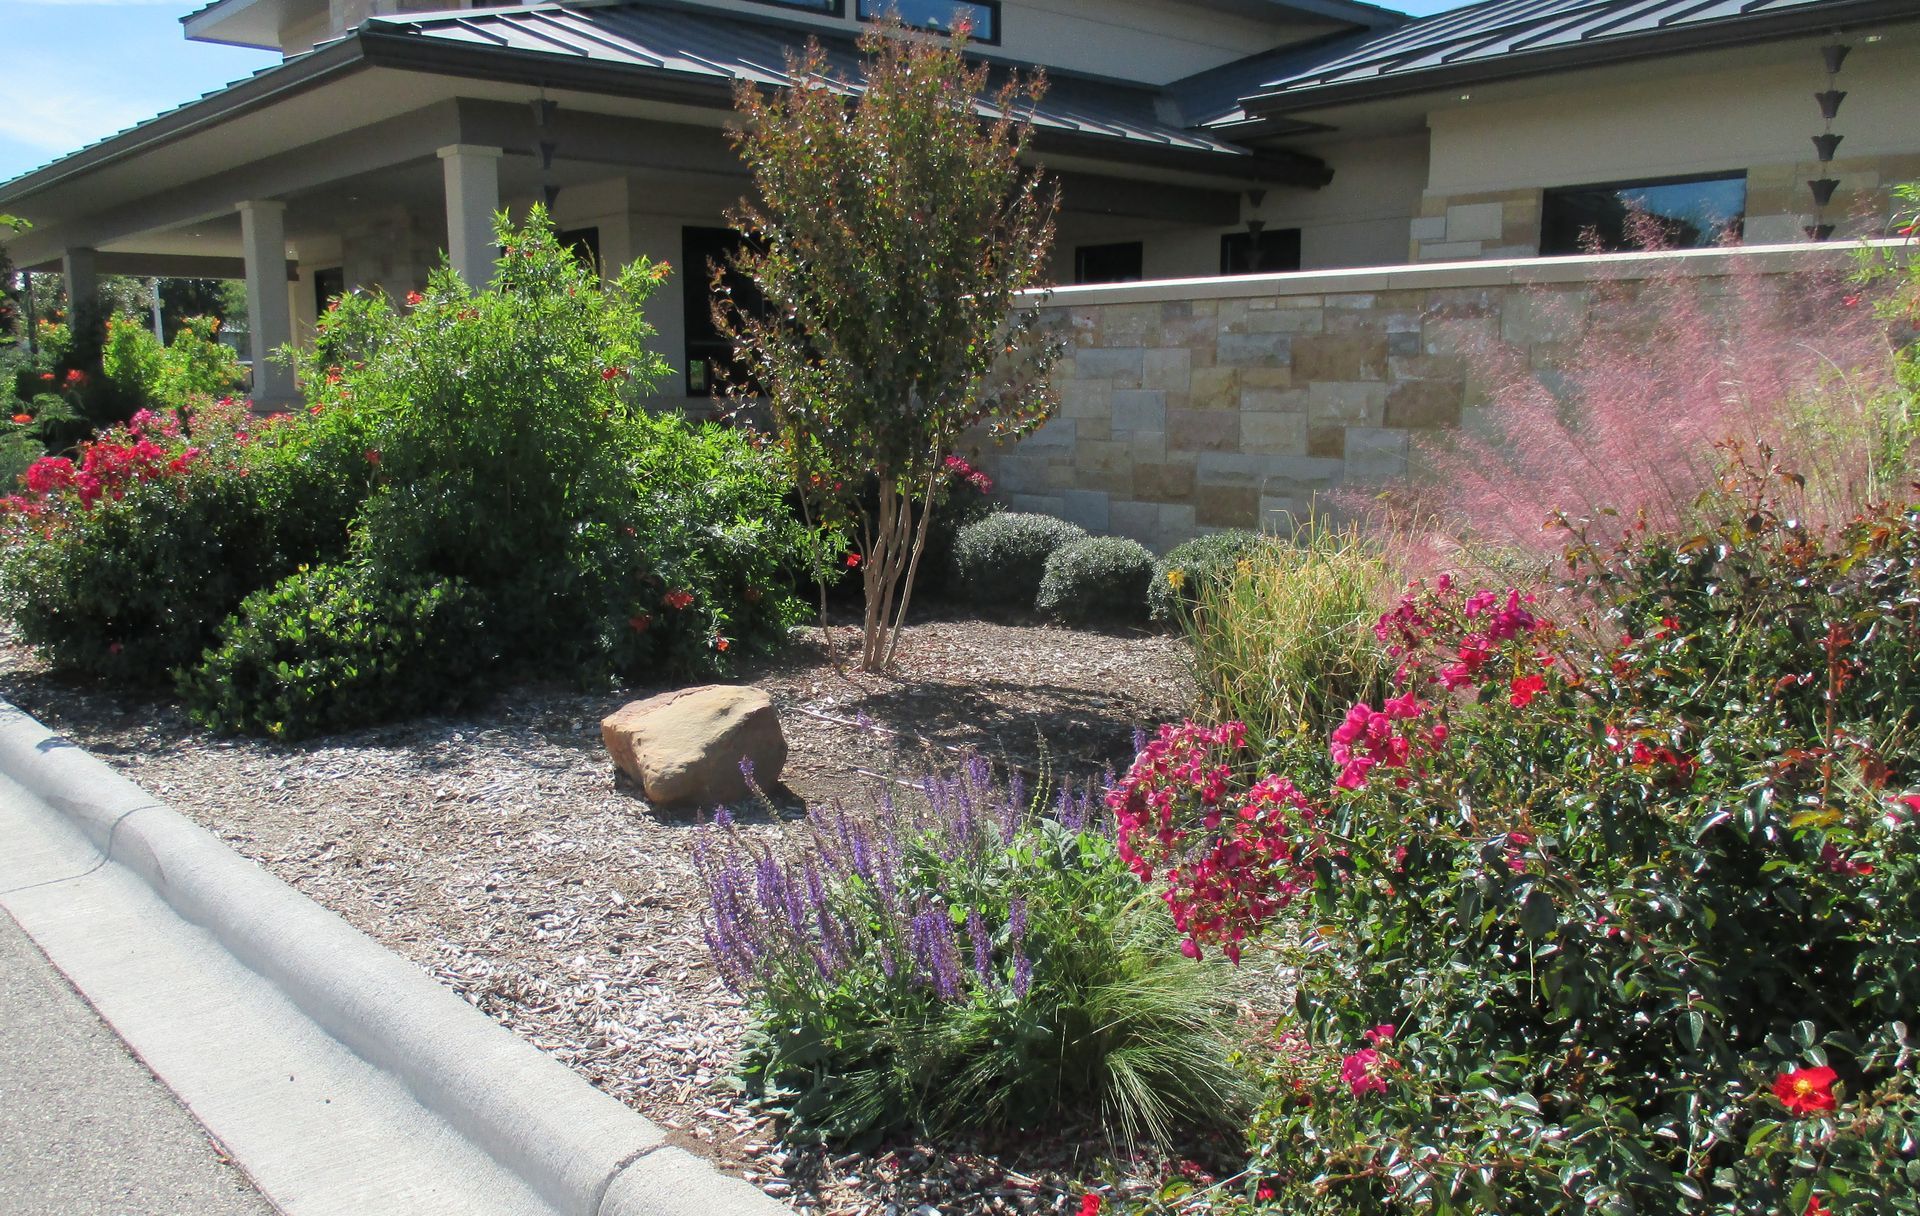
pixel 1272 251
pixel 984 17
pixel 1689 213
pixel 1117 263
pixel 832 8
pixel 328 286
pixel 710 357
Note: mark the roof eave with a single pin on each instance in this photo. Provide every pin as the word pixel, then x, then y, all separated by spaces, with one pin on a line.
pixel 1745 31
pixel 296 75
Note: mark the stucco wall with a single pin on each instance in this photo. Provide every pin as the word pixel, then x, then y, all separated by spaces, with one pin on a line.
pixel 1490 159
pixel 1205 404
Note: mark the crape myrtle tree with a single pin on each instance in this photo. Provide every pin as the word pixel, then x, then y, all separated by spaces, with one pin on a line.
pixel 890 234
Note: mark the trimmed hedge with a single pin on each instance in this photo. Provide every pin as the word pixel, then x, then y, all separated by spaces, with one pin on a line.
pixel 1000 560
pixel 1101 580
pixel 1190 566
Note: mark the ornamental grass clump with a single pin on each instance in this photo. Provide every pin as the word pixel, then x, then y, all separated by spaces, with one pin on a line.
pixel 954 959
pixel 1613 912
pixel 1283 636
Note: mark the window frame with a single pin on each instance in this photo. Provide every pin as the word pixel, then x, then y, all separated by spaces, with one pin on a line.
pixel 993 8
pixel 1227 238
pixel 1547 193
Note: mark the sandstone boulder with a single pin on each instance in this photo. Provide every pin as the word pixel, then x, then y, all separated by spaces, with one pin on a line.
pixel 684 748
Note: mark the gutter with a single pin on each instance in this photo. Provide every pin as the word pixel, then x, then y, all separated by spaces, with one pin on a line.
pixel 1706 36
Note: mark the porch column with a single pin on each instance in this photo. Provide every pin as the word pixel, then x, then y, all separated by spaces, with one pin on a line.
pixel 80 267
pixel 472 175
pixel 263 245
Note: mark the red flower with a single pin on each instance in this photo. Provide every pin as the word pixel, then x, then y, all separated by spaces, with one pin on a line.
pixel 639 624
pixel 23 419
pixel 1817 1207
pixel 1839 863
pixel 415 299
pixel 1806 1091
pixel 47 377
pixel 1525 689
pixel 609 373
pixel 1089 1205
pixel 853 561
pixel 76 377
pixel 721 644
pixel 679 600
pixel 373 457
pixel 1264 1192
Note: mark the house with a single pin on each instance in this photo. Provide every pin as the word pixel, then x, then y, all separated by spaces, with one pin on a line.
pixel 1191 137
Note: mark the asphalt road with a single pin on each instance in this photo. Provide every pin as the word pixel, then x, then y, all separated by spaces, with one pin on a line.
pixel 85 1129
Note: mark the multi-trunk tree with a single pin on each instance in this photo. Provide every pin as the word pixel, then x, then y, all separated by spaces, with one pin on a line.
pixel 893 228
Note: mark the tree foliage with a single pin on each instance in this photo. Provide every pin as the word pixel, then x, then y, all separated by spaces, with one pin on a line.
pixel 891 236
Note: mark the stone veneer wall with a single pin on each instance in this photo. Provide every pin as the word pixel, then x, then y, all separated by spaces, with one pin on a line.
pixel 1197 404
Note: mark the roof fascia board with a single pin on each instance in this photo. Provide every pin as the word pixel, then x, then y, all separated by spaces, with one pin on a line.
pixel 1745 31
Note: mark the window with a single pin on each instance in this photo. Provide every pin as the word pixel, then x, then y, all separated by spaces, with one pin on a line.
pixel 982 15
pixel 709 355
pixel 328 286
pixel 1268 251
pixel 1119 263
pixel 1691 213
pixel 829 8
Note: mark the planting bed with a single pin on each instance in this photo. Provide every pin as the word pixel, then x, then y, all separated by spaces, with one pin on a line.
pixel 495 850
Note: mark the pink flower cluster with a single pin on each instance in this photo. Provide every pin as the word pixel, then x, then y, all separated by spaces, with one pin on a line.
pixel 1229 863
pixel 1369 738
pixel 106 469
pixel 1365 1071
pixel 1481 622
pixel 960 470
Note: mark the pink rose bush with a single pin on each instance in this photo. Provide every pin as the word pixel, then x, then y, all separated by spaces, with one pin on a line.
pixel 1566 896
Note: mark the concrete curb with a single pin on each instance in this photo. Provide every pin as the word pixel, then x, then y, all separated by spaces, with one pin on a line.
pixel 579 1149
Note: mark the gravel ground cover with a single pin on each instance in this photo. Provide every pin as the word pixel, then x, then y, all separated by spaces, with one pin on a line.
pixel 496 850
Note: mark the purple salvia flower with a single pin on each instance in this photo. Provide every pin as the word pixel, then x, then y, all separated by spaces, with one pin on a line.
pixel 946 961
pixel 886 958
pixel 723 818
pixel 982 944
pixel 746 771
pixel 1022 974
pixel 1139 740
pixel 1017 940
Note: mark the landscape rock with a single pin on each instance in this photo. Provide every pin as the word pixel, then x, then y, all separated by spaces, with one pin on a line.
pixel 685 747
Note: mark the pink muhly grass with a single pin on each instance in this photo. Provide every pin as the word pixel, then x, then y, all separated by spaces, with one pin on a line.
pixel 1629 421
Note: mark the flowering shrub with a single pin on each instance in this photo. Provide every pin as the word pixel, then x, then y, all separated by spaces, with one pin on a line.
pixel 1099 580
pixel 958 959
pixel 122 560
pixel 334 647
pixel 1616 911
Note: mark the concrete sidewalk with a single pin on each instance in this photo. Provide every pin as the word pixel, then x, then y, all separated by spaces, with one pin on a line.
pixel 85 1129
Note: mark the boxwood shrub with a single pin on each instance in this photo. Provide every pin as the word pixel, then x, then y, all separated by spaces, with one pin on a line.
pixel 999 561
pixel 1101 580
pixel 1195 565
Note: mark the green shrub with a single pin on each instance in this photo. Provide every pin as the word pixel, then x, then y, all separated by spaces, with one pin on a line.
pixel 999 561
pixel 961 961
pixel 1192 566
pixel 1283 638
pixel 1615 914
pixel 122 563
pixel 335 647
pixel 1101 580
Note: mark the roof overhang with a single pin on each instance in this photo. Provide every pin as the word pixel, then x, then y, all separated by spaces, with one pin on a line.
pixel 1747 30
pixel 380 45
pixel 249 23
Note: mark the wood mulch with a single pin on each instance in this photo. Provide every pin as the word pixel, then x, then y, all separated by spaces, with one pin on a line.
pixel 495 850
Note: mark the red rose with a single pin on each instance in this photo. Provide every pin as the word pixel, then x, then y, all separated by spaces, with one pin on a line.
pixel 1089 1205
pixel 1807 1091
pixel 853 561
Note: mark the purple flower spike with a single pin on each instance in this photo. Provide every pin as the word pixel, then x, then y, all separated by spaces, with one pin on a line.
pixel 982 944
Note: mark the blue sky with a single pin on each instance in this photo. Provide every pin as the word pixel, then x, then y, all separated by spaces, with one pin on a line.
pixel 81 69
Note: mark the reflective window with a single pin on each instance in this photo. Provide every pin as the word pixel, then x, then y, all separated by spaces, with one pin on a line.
pixel 983 17
pixel 831 8
pixel 1688 213
pixel 1271 251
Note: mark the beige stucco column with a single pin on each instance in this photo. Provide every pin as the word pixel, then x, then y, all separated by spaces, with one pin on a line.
pixel 263 245
pixel 80 267
pixel 473 196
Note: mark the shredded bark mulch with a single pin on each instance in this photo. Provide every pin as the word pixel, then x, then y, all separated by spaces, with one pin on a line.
pixel 496 850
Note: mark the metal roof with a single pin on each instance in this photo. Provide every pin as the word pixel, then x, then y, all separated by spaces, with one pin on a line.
pixel 1506 38
pixel 722 48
